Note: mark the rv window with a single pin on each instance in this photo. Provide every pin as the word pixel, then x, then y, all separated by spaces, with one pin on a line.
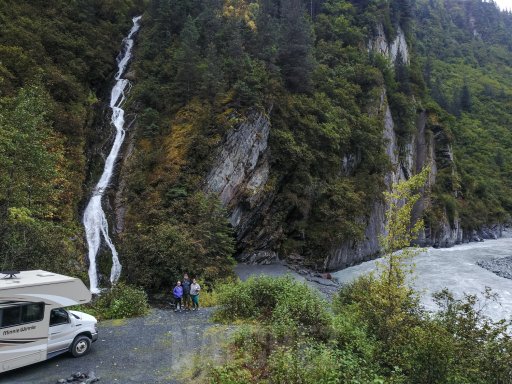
pixel 11 316
pixel 58 316
pixel 32 312
pixel 21 314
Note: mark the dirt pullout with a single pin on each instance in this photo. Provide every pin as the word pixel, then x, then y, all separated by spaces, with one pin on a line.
pixel 162 347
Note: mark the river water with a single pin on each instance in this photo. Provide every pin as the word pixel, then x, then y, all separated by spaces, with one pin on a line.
pixel 456 269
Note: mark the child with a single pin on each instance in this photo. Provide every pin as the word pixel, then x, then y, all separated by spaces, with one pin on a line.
pixel 178 294
pixel 194 293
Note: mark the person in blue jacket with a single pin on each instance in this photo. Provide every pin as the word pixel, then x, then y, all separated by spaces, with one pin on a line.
pixel 178 294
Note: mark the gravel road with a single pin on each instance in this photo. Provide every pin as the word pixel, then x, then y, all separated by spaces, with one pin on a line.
pixel 158 348
pixel 163 347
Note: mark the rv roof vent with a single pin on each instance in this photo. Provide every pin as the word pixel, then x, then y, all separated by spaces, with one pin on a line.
pixel 45 274
pixel 10 274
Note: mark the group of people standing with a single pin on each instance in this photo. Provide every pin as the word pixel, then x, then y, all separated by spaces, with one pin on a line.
pixel 186 294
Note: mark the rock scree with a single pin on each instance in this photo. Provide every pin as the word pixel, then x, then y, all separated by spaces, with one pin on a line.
pixel 501 267
pixel 80 377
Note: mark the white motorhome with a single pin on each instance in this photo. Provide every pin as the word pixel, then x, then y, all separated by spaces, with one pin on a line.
pixel 34 326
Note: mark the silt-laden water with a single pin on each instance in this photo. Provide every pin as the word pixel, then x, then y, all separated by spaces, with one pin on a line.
pixel 456 269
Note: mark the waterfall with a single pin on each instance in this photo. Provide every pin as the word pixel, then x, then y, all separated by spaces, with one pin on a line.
pixel 95 221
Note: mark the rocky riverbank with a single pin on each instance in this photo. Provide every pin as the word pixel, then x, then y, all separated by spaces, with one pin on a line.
pixel 501 267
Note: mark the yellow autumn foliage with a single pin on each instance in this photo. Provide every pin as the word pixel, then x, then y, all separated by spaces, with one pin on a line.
pixel 242 9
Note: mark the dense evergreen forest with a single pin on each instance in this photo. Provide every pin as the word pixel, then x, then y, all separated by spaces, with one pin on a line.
pixel 56 57
pixel 466 60
pixel 202 69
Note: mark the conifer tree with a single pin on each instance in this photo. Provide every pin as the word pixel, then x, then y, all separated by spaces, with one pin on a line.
pixel 296 43
pixel 187 60
pixel 465 98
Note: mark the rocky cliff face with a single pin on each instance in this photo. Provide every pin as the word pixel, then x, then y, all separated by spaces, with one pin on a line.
pixel 445 232
pixel 241 173
pixel 379 43
pixel 404 162
pixel 239 176
pixel 426 146
pixel 241 166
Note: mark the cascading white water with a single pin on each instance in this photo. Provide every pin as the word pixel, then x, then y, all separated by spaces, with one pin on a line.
pixel 95 221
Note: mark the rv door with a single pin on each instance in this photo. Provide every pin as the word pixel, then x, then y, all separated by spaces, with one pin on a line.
pixel 61 332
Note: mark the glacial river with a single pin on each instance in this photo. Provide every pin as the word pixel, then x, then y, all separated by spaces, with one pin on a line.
pixel 456 269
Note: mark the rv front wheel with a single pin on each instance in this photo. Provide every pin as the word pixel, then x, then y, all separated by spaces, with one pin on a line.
pixel 80 346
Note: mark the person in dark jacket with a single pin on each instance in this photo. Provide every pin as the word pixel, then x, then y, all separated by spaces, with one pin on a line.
pixel 178 294
pixel 186 291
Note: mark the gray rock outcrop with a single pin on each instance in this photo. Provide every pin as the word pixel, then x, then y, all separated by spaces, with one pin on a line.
pixel 356 251
pixel 380 44
pixel 240 165
pixel 404 162
pixel 239 176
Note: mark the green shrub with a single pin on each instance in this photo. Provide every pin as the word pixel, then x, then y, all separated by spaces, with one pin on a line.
pixel 121 301
pixel 282 302
pixel 352 335
pixel 231 373
pixel 290 337
pixel 304 364
pixel 208 298
pixel 209 294
pixel 319 364
pixel 235 302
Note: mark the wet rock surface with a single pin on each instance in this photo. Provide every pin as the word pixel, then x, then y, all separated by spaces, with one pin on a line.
pixel 153 349
pixel 239 176
pixel 80 377
pixel 239 160
pixel 501 267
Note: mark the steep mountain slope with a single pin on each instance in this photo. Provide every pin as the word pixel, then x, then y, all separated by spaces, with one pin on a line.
pixel 465 50
pixel 55 60
pixel 263 129
pixel 298 115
